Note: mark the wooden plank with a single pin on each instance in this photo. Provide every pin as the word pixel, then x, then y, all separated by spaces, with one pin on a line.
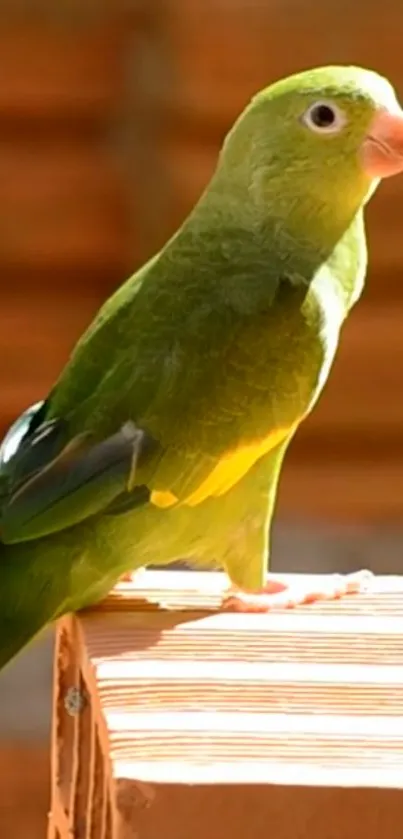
pixel 284 719
pixel 182 686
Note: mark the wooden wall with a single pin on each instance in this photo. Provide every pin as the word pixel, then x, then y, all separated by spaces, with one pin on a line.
pixel 111 117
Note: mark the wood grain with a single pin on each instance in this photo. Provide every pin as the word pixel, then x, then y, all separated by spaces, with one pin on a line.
pixel 184 704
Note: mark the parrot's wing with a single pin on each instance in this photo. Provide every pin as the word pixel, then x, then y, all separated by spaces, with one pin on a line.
pixel 49 482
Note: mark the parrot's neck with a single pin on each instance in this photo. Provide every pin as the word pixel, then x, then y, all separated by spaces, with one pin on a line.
pixel 251 239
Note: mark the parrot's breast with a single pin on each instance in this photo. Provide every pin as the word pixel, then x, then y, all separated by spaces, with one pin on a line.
pixel 332 313
pixel 266 385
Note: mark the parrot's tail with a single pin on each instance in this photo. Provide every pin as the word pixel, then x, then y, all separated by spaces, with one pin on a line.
pixel 25 605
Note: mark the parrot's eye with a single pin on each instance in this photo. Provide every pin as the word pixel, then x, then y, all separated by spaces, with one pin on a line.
pixel 324 117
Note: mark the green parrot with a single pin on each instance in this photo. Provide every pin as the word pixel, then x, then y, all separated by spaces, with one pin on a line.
pixel 165 434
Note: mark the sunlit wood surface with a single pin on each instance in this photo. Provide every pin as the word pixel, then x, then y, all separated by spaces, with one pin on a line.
pixel 164 708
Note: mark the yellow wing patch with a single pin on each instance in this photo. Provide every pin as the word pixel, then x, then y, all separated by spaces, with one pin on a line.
pixel 228 471
pixel 163 499
pixel 233 467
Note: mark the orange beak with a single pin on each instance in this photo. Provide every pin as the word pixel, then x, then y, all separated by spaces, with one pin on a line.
pixel 382 150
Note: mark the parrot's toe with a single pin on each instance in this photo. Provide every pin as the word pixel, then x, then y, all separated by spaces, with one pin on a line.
pixel 277 595
pixel 132 576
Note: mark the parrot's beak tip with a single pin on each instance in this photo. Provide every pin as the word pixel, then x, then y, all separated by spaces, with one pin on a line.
pixel 382 149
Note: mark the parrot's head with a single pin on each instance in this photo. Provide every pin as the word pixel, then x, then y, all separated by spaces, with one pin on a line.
pixel 318 141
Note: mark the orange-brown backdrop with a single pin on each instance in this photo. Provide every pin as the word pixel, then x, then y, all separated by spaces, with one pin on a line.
pixel 111 115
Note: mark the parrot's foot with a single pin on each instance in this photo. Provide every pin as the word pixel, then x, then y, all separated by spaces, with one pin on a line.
pixel 278 595
pixel 132 576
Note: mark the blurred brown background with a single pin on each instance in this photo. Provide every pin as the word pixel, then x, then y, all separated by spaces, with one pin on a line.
pixel 111 115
